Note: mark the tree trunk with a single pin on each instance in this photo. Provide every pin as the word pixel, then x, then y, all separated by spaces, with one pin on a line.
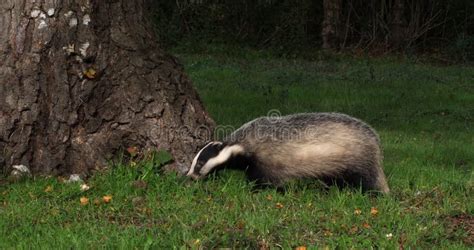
pixel 81 80
pixel 330 31
pixel 397 24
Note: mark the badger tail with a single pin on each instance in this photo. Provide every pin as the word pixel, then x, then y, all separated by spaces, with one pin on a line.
pixel 381 182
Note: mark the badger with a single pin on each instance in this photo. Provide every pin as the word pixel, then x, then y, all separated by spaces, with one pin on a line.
pixel 332 147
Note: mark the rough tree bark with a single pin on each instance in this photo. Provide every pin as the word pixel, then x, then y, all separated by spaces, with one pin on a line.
pixel 331 32
pixel 82 79
pixel 397 24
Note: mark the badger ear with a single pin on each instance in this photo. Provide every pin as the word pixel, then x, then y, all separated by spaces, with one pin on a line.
pixel 220 145
pixel 217 145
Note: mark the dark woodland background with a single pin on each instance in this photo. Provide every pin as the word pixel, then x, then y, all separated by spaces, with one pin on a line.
pixel 87 94
pixel 376 26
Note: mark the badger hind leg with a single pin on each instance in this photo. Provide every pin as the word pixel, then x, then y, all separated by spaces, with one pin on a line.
pixel 367 179
pixel 381 182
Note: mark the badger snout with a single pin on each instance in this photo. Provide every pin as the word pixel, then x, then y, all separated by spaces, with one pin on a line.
pixel 193 176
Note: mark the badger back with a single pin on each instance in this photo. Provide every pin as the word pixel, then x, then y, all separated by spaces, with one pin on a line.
pixel 302 127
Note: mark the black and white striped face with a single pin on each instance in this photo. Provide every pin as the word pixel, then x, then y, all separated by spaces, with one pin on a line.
pixel 212 155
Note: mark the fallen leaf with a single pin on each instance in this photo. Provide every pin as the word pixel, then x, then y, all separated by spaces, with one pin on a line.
pixel 48 189
pixel 90 73
pixel 353 230
pixel 301 248
pixel 357 211
pixel 374 211
pixel 269 197
pixel 327 233
pixel 366 225
pixel 107 198
pixel 84 201
pixel 132 150
pixel 279 205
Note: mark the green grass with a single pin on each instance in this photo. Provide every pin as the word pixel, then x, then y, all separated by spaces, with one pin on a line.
pixel 425 117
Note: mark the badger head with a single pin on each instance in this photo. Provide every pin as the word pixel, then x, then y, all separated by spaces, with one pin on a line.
pixel 211 156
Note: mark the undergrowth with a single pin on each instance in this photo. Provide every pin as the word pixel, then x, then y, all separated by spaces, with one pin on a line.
pixel 425 117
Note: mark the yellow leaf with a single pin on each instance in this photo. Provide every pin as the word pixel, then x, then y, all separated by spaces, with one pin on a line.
pixel 278 205
pixel 301 248
pixel 357 211
pixel 84 201
pixel 48 189
pixel 107 198
pixel 269 197
pixel 90 73
pixel 374 211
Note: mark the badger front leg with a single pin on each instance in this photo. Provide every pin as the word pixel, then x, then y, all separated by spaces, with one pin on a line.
pixel 262 176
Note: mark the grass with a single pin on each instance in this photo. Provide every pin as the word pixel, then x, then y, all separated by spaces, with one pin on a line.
pixel 425 117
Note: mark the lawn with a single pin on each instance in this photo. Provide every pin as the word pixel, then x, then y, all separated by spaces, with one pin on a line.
pixel 423 113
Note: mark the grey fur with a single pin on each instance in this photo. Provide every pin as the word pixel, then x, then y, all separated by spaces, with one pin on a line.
pixel 332 147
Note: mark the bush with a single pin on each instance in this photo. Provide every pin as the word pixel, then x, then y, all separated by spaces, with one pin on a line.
pixel 463 47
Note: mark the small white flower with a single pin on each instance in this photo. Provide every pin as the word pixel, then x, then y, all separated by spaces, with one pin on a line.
pixel 85 187
pixel 389 236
